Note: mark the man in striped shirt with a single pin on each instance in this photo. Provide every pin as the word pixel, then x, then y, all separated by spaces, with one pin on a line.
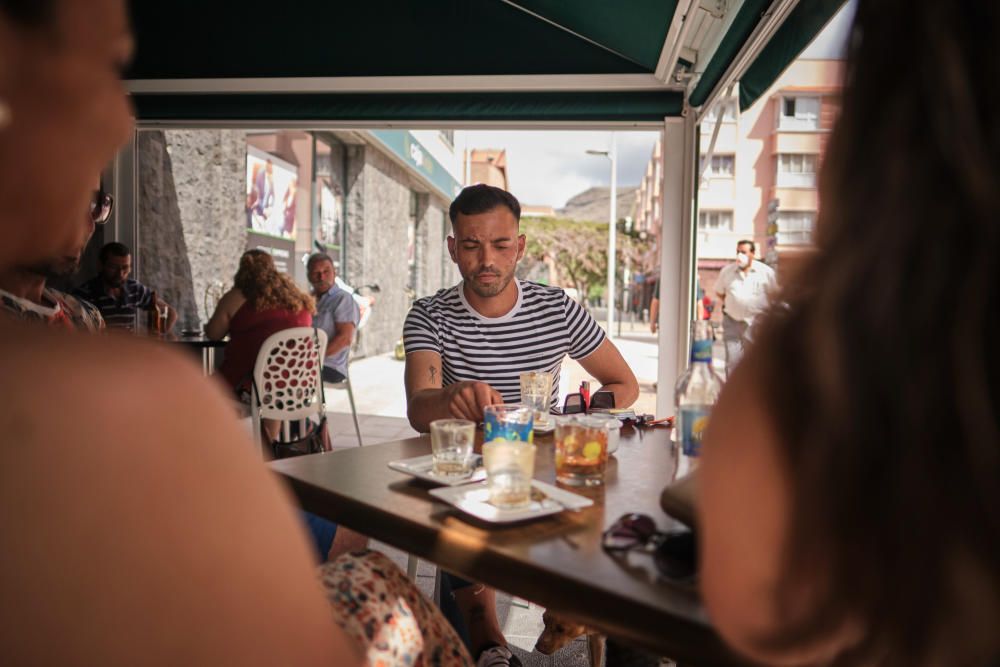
pixel 117 296
pixel 466 347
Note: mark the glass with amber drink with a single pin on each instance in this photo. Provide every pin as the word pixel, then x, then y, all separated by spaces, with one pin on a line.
pixel 581 448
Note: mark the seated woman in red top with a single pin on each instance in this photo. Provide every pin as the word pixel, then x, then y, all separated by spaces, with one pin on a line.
pixel 261 303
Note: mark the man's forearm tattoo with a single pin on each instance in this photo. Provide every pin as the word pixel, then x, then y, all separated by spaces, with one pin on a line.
pixel 433 374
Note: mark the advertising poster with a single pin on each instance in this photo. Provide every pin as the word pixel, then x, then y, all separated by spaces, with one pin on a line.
pixel 272 185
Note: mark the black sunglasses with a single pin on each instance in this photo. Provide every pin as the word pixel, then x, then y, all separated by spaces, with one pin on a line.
pixel 101 206
pixel 602 400
pixel 675 554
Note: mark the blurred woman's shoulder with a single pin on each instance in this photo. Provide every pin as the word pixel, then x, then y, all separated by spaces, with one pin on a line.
pixel 144 508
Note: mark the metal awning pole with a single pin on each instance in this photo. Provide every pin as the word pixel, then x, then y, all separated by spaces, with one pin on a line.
pixel 676 255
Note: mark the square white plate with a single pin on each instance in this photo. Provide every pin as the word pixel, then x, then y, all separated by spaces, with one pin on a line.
pixel 423 467
pixel 474 499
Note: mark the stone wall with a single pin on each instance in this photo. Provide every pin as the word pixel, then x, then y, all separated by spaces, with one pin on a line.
pixel 162 261
pixel 376 246
pixel 192 225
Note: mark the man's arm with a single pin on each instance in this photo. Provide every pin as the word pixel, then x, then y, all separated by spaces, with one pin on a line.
pixel 427 400
pixel 343 335
pixel 609 368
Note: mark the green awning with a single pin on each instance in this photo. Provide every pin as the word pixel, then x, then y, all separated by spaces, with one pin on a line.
pixel 802 25
pixel 749 15
pixel 634 106
pixel 200 60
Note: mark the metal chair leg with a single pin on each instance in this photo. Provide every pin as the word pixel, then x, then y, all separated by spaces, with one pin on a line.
pixel 354 412
pixel 437 586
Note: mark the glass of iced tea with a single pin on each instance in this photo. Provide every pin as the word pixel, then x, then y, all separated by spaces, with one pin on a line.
pixel 581 450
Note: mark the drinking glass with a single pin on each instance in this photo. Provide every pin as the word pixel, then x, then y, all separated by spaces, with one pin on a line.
pixel 451 446
pixel 536 393
pixel 581 450
pixel 510 465
pixel 510 422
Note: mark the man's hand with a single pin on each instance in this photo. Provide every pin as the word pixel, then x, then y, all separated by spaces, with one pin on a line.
pixel 466 400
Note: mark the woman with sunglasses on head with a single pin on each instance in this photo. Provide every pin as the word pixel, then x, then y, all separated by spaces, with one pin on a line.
pixel 140 527
pixel 850 514
pixel 24 294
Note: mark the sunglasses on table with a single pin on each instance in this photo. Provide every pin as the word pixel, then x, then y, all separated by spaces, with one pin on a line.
pixel 601 400
pixel 101 205
pixel 675 554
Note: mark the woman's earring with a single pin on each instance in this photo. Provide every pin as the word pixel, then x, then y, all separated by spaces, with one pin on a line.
pixel 4 114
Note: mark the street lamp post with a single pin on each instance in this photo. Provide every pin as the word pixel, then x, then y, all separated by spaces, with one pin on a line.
pixel 611 154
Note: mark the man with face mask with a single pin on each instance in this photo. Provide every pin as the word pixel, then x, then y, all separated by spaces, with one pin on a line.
pixel 24 294
pixel 467 345
pixel 743 289
pixel 117 296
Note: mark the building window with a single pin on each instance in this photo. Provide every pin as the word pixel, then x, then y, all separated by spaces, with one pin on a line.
pixel 715 221
pixel 799 113
pixel 728 112
pixel 796 170
pixel 795 227
pixel 721 166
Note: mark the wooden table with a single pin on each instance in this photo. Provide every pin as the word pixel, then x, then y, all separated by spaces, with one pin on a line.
pixel 555 561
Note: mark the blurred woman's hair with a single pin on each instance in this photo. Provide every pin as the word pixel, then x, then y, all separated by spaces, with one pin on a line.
pixel 883 371
pixel 265 287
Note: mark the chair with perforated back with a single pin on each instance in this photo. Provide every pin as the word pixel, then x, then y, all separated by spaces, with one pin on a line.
pixel 286 378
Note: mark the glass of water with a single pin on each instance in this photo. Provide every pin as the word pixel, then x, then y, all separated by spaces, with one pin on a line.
pixel 536 393
pixel 451 446
pixel 510 465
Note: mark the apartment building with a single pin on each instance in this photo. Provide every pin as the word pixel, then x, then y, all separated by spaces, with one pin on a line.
pixel 758 172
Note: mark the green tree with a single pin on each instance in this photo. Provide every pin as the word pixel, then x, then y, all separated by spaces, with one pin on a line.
pixel 578 251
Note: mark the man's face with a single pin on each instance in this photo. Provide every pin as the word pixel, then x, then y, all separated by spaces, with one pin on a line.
pixel 115 269
pixel 486 247
pixel 321 276
pixel 744 249
pixel 62 83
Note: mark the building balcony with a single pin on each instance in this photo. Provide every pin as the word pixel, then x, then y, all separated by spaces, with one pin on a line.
pixel 796 199
pixel 797 142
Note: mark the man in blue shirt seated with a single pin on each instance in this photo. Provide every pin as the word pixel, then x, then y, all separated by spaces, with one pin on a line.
pixel 117 296
pixel 336 313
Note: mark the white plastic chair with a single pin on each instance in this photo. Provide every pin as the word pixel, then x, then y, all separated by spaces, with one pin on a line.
pixel 287 382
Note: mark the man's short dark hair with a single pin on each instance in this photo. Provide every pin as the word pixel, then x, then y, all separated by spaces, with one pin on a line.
pixel 318 257
pixel 114 248
pixel 481 198
pixel 753 248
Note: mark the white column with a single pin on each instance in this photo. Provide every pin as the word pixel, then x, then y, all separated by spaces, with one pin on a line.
pixel 612 251
pixel 676 255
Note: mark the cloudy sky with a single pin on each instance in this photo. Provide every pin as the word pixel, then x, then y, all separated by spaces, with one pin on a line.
pixel 549 167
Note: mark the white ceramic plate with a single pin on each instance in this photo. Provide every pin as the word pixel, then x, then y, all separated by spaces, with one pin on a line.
pixel 474 499
pixel 423 467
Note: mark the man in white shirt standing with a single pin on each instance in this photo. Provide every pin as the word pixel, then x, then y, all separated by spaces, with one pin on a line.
pixel 743 289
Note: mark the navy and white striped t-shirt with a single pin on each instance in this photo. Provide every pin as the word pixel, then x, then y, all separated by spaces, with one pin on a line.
pixel 117 313
pixel 543 327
